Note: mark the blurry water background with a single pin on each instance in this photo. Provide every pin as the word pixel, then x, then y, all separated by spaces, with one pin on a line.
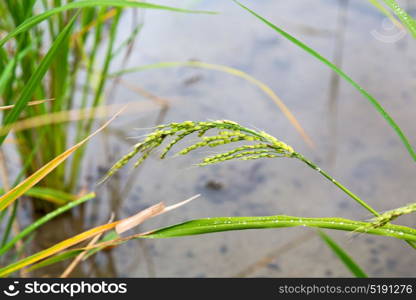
pixel 352 141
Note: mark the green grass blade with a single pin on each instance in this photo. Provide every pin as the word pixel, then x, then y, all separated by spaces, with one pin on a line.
pixel 220 224
pixel 341 73
pixel 46 218
pixel 343 255
pixel 406 19
pixel 36 77
pixel 127 41
pixel 29 23
pixel 211 225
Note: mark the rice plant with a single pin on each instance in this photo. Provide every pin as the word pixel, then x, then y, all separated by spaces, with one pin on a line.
pixel 259 145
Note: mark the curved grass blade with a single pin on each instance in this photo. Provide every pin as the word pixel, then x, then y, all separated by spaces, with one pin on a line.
pixel 235 72
pixel 28 230
pixel 343 255
pixel 24 186
pixel 30 22
pixel 36 77
pixel 387 13
pixel 211 225
pixel 341 73
pixel 403 16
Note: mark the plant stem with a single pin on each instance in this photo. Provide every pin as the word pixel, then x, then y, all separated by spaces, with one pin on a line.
pixel 343 188
pixel 338 184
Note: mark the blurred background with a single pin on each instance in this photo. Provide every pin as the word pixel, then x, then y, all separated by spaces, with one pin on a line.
pixel 351 141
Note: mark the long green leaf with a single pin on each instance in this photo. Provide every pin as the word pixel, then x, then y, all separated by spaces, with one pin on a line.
pixel 36 77
pixel 210 225
pixel 29 23
pixel 341 73
pixel 343 255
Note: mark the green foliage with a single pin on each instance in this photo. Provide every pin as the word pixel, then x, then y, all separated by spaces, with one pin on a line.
pixel 406 19
pixel 391 215
pixel 211 225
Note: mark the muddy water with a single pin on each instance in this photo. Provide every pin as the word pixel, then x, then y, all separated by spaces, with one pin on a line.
pixel 351 141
